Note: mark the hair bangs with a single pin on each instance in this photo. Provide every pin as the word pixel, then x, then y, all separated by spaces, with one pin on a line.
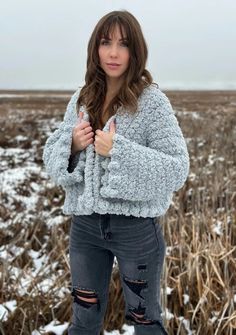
pixel 108 27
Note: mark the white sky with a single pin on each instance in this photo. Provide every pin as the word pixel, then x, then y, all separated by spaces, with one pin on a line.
pixel 191 43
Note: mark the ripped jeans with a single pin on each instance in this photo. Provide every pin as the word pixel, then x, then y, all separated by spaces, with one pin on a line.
pixel 139 247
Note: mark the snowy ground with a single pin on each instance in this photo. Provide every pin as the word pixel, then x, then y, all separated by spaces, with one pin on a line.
pixel 34 232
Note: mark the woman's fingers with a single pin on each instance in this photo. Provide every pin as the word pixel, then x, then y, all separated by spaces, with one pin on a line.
pixel 81 114
pixel 82 133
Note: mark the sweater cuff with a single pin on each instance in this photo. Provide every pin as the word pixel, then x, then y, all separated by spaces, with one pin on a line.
pixel 57 156
pixel 74 171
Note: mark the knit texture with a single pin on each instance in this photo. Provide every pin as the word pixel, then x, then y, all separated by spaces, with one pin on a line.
pixel 148 161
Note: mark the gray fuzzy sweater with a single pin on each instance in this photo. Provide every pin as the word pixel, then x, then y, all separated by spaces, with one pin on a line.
pixel 149 161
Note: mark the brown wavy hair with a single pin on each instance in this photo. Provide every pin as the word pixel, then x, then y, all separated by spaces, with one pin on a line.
pixel 136 77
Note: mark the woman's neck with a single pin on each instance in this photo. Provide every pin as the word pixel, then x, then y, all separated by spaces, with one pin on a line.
pixel 113 87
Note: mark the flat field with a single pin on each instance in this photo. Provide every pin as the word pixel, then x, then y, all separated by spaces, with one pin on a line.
pixel 199 283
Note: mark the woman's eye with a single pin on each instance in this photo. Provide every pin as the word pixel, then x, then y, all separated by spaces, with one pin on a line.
pixel 104 42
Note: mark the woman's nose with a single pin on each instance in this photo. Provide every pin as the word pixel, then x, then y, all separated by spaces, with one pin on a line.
pixel 113 50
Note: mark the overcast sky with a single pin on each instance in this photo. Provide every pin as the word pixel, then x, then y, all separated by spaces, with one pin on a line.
pixel 191 43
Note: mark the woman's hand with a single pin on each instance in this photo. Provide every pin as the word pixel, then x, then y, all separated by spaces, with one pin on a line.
pixel 104 140
pixel 82 135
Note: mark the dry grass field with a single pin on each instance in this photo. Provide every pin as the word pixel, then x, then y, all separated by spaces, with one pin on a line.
pixel 199 278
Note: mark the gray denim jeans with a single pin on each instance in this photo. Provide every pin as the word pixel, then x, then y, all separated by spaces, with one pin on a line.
pixel 139 247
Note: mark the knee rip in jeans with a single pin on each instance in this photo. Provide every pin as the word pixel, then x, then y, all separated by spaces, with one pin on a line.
pixel 137 315
pixel 136 285
pixel 85 298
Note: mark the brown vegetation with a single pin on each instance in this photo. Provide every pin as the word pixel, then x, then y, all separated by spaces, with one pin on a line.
pixel 199 281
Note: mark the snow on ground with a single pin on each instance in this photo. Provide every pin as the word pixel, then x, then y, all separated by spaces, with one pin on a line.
pixel 58 329
pixel 23 183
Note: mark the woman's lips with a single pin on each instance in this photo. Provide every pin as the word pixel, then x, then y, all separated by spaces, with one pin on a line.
pixel 113 66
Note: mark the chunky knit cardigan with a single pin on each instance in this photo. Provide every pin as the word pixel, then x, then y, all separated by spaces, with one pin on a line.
pixel 149 161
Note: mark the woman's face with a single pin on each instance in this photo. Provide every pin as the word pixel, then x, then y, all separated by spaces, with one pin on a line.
pixel 114 51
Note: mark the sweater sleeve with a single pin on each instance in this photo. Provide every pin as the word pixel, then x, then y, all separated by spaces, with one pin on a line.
pixel 61 166
pixel 140 173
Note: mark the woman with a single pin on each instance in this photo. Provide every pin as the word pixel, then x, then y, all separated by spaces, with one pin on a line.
pixel 119 154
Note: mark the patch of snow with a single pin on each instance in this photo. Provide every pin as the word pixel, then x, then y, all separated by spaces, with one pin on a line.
pixel 39 262
pixel 3 252
pixel 21 138
pixel 57 220
pixel 192 176
pixel 35 187
pixel 169 290
pixel 10 252
pixel 9 183
pixel 62 292
pixel 189 191
pixel 168 250
pixel 6 308
pixel 3 313
pixel 11 305
pixel 54 327
pixel 212 320
pixel 167 314
pixel 186 324
pixel 186 298
pixel 212 159
pixel 217 228
pixel 46 284
pixel 129 330
pixel 194 115
pixel 201 144
pixel 34 254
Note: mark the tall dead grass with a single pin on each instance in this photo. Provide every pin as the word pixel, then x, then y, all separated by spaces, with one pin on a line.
pixel 198 283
